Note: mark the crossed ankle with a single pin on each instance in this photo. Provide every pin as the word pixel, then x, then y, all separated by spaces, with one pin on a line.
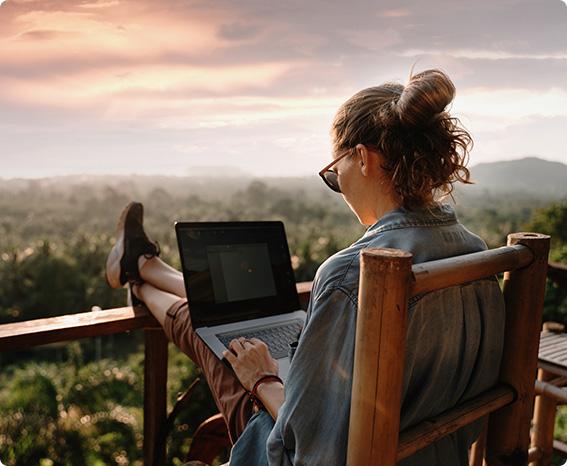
pixel 135 288
pixel 142 261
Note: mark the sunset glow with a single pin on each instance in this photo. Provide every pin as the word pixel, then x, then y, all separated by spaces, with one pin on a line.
pixel 123 86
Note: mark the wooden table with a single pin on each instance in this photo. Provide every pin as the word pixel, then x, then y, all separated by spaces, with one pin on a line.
pixel 552 377
pixel 553 353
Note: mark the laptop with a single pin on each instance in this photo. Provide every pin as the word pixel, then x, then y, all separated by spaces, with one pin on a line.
pixel 240 283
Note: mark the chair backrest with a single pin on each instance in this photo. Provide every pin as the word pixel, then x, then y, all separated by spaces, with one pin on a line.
pixel 387 281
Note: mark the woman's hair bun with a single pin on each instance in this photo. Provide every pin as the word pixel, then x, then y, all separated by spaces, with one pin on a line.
pixel 423 148
pixel 425 98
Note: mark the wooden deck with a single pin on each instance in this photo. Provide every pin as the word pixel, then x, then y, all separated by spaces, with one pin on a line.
pixel 553 353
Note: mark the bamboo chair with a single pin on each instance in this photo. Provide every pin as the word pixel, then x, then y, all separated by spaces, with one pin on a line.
pixel 387 281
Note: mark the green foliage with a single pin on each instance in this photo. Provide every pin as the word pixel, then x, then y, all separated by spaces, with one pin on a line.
pixel 182 373
pixel 32 428
pixel 33 392
pixel 48 278
pixel 53 253
pixel 552 220
pixel 493 217
pixel 555 304
pixel 99 394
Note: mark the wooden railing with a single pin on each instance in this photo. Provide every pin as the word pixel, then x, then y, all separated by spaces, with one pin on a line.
pixel 38 332
pixel 549 388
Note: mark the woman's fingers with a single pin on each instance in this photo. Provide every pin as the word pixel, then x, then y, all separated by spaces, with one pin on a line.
pixel 230 357
pixel 236 346
pixel 250 360
pixel 240 345
pixel 260 345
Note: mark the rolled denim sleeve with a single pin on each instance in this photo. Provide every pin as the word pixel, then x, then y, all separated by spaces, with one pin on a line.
pixel 312 424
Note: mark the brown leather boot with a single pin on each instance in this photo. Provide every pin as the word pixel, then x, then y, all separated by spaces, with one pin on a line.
pixel 131 243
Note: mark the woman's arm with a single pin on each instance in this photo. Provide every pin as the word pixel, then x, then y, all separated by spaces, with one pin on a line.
pixel 251 360
pixel 312 424
pixel 271 394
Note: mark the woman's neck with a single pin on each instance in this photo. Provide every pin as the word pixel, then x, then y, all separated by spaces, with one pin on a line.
pixel 385 206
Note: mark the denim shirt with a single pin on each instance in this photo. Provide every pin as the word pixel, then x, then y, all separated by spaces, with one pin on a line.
pixel 453 351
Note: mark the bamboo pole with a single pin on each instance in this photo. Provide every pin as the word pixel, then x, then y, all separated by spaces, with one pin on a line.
pixel 378 357
pixel 442 273
pixel 476 456
pixel 534 454
pixel 524 289
pixel 550 390
pixel 544 419
pixel 155 395
pixel 432 429
pixel 556 381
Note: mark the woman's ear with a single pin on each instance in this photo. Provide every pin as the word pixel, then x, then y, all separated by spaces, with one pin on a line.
pixel 365 159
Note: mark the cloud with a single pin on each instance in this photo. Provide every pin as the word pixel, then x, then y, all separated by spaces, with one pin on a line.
pixel 133 78
pixel 237 31
pixel 90 87
pixel 396 13
pixel 104 34
pixel 539 75
pixel 531 135
pixel 40 34
pixel 99 4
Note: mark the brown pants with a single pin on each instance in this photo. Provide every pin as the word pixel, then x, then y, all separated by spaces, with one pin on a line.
pixel 230 396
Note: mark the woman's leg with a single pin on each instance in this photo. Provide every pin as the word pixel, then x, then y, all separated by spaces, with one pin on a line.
pixel 172 312
pixel 156 300
pixel 133 259
pixel 162 276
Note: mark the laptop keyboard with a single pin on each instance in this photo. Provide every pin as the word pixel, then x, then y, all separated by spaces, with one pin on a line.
pixel 277 337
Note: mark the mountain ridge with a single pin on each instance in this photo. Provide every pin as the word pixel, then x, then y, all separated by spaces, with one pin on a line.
pixel 528 175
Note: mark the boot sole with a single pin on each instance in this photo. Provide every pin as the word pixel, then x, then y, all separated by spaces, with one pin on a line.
pixel 112 268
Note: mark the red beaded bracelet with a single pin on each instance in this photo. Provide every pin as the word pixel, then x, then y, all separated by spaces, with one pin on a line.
pixel 254 392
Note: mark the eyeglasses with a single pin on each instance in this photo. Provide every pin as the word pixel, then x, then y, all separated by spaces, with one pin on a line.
pixel 331 177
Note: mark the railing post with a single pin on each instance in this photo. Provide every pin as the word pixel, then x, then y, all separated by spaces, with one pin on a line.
pixel 544 422
pixel 155 395
pixel 476 456
pixel 509 428
pixel 380 346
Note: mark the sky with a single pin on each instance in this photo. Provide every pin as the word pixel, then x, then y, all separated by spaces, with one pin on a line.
pixel 224 87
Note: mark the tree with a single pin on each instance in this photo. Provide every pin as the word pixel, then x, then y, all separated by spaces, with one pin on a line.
pixel 552 220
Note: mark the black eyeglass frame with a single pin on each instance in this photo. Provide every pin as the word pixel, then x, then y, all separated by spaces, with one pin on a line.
pixel 331 177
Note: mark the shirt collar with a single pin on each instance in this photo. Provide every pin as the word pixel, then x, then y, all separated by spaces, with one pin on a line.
pixel 436 214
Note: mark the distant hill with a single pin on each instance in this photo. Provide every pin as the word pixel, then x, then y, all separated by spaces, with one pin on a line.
pixel 529 176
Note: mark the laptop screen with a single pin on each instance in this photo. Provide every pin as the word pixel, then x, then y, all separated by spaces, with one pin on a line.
pixel 236 271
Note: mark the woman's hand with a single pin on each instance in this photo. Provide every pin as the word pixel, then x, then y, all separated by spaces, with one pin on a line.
pixel 250 360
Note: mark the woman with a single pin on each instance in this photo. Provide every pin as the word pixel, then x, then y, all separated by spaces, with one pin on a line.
pixel 396 151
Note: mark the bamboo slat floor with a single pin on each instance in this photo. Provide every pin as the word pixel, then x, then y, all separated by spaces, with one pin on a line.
pixel 553 353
